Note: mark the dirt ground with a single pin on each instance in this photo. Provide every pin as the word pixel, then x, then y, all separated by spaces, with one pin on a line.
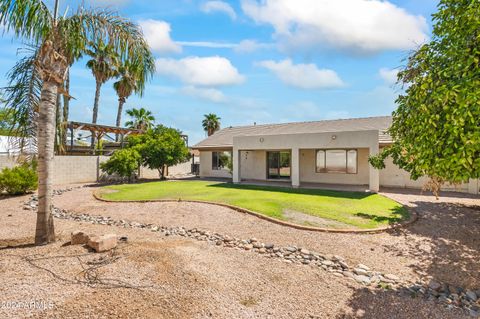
pixel 152 276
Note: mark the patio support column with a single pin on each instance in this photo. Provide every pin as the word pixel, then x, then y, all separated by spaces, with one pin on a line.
pixel 374 176
pixel 473 186
pixel 295 169
pixel 236 165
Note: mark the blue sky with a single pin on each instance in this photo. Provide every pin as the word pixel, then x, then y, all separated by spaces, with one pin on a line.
pixel 263 61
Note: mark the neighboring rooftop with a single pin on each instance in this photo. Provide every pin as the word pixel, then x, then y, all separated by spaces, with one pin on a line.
pixel 224 137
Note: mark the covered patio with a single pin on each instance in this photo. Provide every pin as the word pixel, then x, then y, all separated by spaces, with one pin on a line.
pixel 308 159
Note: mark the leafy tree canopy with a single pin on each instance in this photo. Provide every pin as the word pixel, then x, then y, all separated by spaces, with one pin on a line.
pixel 123 162
pixel 436 128
pixel 160 147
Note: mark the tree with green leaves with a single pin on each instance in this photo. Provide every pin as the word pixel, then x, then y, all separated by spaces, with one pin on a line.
pixel 436 128
pixel 160 147
pixel 211 123
pixel 132 78
pixel 124 163
pixel 141 119
pixel 57 37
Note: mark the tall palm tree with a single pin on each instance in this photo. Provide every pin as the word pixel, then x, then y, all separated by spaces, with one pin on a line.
pixel 211 123
pixel 141 119
pixel 57 37
pixel 130 80
pixel 103 66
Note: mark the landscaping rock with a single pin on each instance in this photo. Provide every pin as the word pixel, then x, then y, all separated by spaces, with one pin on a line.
pixel 360 271
pixel 79 238
pixel 362 279
pixel 328 262
pixel 362 266
pixel 305 251
pixel 434 285
pixel 471 295
pixel 391 277
pixel 451 296
pixel 103 243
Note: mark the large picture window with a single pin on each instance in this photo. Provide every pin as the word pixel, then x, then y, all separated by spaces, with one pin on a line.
pixel 336 161
pixel 220 160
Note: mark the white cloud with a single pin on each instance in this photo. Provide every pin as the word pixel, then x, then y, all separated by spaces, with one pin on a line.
pixel 157 34
pixel 362 26
pixel 203 71
pixel 388 75
pixel 244 46
pixel 248 46
pixel 208 44
pixel 209 94
pixel 219 6
pixel 305 76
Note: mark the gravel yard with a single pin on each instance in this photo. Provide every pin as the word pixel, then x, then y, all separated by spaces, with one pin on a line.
pixel 175 277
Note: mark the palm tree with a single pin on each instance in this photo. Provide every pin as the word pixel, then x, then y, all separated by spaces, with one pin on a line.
pixel 141 119
pixel 211 123
pixel 130 80
pixel 103 63
pixel 56 38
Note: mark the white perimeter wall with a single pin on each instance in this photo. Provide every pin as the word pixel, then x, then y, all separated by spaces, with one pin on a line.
pixel 85 169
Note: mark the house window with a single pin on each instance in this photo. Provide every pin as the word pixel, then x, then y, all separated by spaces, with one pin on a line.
pixel 336 161
pixel 220 160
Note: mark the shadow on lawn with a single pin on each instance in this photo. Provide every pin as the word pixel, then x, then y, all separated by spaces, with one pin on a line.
pixel 302 191
pixel 396 215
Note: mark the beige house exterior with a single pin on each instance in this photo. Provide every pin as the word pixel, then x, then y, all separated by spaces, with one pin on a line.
pixel 303 153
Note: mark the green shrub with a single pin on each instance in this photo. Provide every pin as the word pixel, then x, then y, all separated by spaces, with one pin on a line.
pixel 123 162
pixel 19 180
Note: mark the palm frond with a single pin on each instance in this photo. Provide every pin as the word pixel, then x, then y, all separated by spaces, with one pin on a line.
pixel 22 99
pixel 29 19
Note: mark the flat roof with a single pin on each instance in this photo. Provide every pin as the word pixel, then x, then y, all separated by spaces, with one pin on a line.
pixel 224 137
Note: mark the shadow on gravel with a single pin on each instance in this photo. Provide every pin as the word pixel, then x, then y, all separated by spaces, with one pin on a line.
pixel 449 245
pixel 383 304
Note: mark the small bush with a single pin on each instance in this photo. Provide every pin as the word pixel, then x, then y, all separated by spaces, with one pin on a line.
pixel 19 180
pixel 123 162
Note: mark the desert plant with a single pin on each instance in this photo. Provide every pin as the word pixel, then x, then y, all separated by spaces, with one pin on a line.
pixel 19 180
pixel 124 163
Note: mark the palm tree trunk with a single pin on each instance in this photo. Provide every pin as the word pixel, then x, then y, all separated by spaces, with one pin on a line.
pixel 45 232
pixel 121 101
pixel 95 109
pixel 58 125
pixel 66 107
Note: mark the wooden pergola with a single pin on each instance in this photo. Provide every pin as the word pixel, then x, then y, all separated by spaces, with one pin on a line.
pixel 99 131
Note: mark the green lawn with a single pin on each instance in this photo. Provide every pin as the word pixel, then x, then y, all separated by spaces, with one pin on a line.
pixel 349 209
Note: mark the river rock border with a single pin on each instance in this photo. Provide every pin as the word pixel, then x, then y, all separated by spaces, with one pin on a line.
pixel 413 216
pixel 450 296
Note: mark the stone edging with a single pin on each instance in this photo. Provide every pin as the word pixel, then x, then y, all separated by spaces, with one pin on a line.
pixel 413 215
pixel 449 295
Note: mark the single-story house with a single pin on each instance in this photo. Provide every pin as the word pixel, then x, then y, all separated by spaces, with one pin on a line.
pixel 329 151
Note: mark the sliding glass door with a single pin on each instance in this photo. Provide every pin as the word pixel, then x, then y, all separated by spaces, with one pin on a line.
pixel 278 165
